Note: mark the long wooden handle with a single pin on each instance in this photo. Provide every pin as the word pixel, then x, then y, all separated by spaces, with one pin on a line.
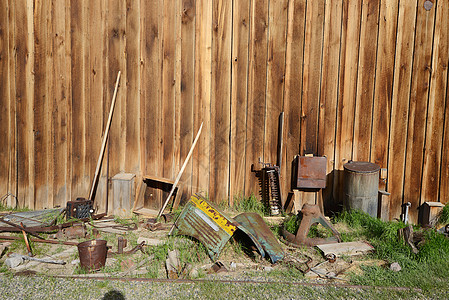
pixel 105 138
pixel 181 171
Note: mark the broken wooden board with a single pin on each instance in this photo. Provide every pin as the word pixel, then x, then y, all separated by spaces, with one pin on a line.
pixel 33 218
pixel 146 212
pixel 349 248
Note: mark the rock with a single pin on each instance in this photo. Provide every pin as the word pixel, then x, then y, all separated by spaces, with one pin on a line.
pixel 194 273
pixel 232 266
pixel 395 267
pixel 268 269
pixel 149 242
pixel 14 261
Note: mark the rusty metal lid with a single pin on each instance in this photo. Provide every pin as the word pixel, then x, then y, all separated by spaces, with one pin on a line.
pixel 361 167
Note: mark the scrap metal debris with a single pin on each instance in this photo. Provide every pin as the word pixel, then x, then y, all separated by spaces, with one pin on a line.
pixel 16 259
pixel 311 215
pixel 218 267
pixel 255 224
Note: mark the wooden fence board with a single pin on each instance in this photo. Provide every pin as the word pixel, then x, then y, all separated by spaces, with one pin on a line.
pixel 435 114
pixel 399 109
pixel 444 173
pixel 422 60
pixel 347 92
pixel 24 98
pixel 365 80
pixel 311 77
pixel 220 101
pixel 239 96
pixel 80 186
pixel 256 93
pixel 329 92
pixel 187 88
pixel 4 100
pixel 203 61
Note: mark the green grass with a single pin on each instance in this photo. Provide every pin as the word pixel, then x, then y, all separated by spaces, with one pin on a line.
pixel 250 204
pixel 428 270
pixel 444 216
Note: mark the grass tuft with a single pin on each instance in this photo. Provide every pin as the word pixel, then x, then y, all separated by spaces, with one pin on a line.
pixel 250 204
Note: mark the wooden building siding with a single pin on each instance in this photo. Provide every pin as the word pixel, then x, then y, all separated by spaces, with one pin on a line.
pixel 356 80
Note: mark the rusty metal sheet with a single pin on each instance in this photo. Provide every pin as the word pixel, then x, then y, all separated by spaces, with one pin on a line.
pixel 255 224
pixel 34 218
pixel 311 172
pixel 207 224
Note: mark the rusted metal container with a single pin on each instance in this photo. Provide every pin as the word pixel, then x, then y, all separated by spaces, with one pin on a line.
pixel 311 172
pixel 92 254
pixel 362 186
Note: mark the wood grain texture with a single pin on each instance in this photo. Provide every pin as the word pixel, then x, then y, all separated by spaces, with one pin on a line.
pixel 422 60
pixel 24 96
pixel 329 93
pixel 311 78
pixel 437 103
pixel 239 96
pixel 220 101
pixel 347 92
pixel 256 93
pixel 4 100
pixel 365 80
pixel 61 81
pixel 292 88
pixel 203 69
pixel 275 77
pixel 444 173
pixel 400 105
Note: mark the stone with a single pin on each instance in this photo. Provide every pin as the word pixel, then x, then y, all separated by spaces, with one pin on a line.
pixel 395 267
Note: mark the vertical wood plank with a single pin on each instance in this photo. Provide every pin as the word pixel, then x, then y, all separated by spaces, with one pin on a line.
pixel 240 40
pixel 42 124
pixel 256 92
pixel 444 173
pixel 61 79
pixel 329 92
pixel 12 106
pixel 5 151
pixel 347 92
pixel 386 49
pixel 23 44
pixel 365 80
pixel 94 81
pixel 437 102
pixel 422 60
pixel 203 57
pixel 132 107
pixel 400 105
pixel 220 101
pixel 311 77
pixel 275 77
pixel 187 88
pixel 78 161
pixel 168 89
pixel 116 61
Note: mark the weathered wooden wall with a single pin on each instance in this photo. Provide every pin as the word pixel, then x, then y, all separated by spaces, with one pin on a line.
pixel 357 80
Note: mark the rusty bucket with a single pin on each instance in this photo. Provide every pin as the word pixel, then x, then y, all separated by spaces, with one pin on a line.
pixel 92 254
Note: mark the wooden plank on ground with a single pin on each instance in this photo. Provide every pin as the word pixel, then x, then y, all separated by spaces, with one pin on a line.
pixel 239 96
pixel 24 45
pixel 311 78
pixel 422 60
pixel 187 89
pixel 386 49
pixel 329 93
pixel 400 105
pixel 347 92
pixel 365 80
pixel 437 102
pixel 61 98
pixel 220 101
pixel 203 64
pixel 257 81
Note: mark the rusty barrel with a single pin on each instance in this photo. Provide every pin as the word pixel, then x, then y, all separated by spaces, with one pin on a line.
pixel 92 254
pixel 361 186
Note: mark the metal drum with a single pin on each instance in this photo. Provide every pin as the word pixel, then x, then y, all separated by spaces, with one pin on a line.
pixel 361 186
